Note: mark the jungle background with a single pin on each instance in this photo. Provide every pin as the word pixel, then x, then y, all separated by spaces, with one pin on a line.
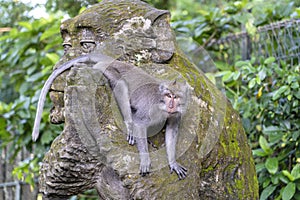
pixel 263 89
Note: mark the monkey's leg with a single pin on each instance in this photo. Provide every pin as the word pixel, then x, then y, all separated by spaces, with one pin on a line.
pixel 142 146
pixel 171 140
pixel 121 94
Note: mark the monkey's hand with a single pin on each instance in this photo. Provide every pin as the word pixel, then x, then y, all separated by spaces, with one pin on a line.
pixel 145 164
pixel 130 136
pixel 180 170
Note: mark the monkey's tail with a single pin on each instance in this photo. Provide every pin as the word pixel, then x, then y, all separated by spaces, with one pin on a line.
pixel 40 107
pixel 45 89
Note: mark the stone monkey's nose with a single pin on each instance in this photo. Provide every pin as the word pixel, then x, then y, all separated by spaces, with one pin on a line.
pixel 71 54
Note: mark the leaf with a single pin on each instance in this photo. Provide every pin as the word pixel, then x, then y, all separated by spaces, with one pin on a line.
pixel 289 191
pixel 50 32
pixel 259 152
pixel 284 179
pixel 236 75
pixel 272 165
pixel 288 174
pixel 47 137
pixel 296 135
pixel 297 94
pixel 252 83
pixel 241 63
pixel 296 171
pixel 259 167
pixel 227 75
pixel 258 81
pixel 4 134
pixel 267 192
pixel 53 57
pixel 269 60
pixel 265 145
pixel 277 93
pixel 35 77
pixel 259 93
pixel 26 25
pixel 183 30
pixel 295 85
pixel 271 129
pixel 262 74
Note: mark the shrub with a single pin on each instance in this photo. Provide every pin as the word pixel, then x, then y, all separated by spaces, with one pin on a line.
pixel 267 97
pixel 28 53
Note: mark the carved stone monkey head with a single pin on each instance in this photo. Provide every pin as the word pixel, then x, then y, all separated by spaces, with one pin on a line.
pixel 128 30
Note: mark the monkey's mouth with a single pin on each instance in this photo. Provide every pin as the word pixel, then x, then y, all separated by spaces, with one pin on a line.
pixel 172 111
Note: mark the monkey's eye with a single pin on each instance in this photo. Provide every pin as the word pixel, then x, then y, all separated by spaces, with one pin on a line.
pixel 168 95
pixel 66 46
pixel 87 45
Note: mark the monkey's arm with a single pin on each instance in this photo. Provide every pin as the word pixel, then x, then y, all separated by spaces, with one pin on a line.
pixel 121 93
pixel 46 87
pixel 142 145
pixel 171 141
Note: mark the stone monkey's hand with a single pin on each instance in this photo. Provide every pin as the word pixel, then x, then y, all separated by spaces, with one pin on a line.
pixel 180 170
pixel 145 164
pixel 130 137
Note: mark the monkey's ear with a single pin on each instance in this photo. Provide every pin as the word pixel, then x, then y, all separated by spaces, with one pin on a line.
pixel 162 87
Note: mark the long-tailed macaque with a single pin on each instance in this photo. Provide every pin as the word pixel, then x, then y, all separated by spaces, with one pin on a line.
pixel 147 104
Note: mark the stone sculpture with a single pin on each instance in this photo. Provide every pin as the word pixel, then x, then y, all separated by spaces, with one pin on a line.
pixel 92 151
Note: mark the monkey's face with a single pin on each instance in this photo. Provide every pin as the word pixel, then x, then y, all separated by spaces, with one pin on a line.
pixel 172 103
pixel 173 97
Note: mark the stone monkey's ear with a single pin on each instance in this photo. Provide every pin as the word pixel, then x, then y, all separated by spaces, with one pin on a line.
pixel 165 42
pixel 179 80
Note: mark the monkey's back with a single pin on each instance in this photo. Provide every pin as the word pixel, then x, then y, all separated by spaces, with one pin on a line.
pixel 144 101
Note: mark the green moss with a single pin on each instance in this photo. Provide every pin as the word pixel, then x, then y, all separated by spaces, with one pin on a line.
pixel 210 168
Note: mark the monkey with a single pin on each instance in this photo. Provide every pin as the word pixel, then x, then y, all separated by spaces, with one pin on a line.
pixel 147 105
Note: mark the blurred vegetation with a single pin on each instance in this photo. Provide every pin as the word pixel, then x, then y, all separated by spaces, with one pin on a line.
pixel 266 96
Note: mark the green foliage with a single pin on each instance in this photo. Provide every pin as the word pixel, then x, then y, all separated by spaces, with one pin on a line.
pixel 267 97
pixel 207 22
pixel 160 4
pixel 28 53
pixel 12 11
pixel 72 7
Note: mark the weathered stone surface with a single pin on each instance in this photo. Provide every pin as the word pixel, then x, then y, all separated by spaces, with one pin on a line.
pixel 92 151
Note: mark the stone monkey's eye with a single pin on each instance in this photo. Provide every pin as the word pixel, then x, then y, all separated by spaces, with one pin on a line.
pixel 66 46
pixel 87 45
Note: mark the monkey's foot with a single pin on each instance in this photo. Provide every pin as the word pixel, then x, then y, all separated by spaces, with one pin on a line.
pixel 130 137
pixel 145 164
pixel 180 170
